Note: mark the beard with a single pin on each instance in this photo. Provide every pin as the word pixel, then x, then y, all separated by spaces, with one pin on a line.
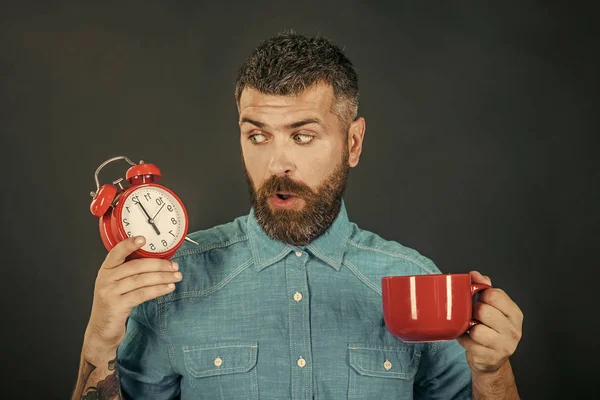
pixel 321 206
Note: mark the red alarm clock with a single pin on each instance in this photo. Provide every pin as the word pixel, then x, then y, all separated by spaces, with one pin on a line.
pixel 144 208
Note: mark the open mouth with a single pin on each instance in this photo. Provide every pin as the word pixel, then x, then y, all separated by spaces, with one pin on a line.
pixel 283 200
pixel 284 196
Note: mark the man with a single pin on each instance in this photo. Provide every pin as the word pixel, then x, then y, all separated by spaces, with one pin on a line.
pixel 286 301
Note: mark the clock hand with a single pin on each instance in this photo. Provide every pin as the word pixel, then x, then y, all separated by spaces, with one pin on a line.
pixel 150 220
pixel 155 215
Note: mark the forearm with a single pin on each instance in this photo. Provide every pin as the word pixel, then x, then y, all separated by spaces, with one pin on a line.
pixel 100 381
pixel 498 385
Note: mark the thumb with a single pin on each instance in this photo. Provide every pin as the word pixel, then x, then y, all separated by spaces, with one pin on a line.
pixel 124 248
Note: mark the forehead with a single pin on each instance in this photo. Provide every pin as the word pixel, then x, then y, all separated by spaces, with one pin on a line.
pixel 316 99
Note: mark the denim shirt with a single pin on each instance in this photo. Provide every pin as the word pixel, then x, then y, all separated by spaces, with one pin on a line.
pixel 256 318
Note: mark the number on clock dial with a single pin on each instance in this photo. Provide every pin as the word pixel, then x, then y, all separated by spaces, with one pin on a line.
pixel 165 212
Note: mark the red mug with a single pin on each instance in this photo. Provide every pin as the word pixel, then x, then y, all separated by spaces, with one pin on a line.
pixel 429 308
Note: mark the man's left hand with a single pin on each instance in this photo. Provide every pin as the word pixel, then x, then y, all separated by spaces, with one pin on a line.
pixel 489 344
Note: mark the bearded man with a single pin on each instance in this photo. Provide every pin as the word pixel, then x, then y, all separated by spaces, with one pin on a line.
pixel 285 302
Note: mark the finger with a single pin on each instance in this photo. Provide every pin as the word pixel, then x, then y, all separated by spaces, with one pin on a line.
pixel 492 317
pixel 501 345
pixel 135 282
pixel 141 295
pixel 477 277
pixel 123 249
pixel 475 352
pixel 486 336
pixel 472 346
pixel 469 344
pixel 500 300
pixel 142 266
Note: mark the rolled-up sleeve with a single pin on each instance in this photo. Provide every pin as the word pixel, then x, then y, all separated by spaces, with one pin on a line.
pixel 443 373
pixel 143 362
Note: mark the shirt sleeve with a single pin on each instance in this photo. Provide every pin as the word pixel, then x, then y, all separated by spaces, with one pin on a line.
pixel 443 373
pixel 143 363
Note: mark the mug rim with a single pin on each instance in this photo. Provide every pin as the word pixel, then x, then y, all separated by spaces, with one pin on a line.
pixel 389 277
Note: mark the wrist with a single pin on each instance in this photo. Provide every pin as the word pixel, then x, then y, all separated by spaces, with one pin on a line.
pixel 98 353
pixel 499 384
pixel 503 370
pixel 98 341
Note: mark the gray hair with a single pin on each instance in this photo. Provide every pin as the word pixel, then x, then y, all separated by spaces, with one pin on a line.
pixel 289 63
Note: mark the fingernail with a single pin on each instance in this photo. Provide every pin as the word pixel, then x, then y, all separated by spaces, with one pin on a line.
pixel 139 240
pixel 171 285
pixel 174 265
pixel 177 275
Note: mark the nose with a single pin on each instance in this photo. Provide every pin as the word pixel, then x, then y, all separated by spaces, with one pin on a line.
pixel 281 162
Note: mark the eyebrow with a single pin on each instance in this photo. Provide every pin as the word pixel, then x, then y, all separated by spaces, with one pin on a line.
pixel 251 121
pixel 293 125
pixel 306 121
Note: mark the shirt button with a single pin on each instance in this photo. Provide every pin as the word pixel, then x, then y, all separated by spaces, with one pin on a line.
pixel 297 296
pixel 301 362
pixel 387 365
pixel 298 254
pixel 218 361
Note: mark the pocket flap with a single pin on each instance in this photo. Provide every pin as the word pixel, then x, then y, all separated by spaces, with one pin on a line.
pixel 202 361
pixel 384 362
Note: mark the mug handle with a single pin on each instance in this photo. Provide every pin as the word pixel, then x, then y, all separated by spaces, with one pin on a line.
pixel 477 287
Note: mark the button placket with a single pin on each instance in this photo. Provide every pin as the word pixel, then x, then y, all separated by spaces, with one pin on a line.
pixel 299 326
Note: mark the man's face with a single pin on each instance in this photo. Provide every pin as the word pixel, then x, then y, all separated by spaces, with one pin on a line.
pixel 296 161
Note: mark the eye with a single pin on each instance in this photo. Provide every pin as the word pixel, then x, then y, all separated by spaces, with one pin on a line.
pixel 303 139
pixel 257 138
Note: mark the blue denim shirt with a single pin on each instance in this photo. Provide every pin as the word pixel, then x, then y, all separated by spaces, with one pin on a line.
pixel 255 318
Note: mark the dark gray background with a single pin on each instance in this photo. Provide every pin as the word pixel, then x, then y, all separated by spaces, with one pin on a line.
pixel 480 152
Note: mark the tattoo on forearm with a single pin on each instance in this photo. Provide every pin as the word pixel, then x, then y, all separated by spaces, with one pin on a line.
pixel 85 371
pixel 107 389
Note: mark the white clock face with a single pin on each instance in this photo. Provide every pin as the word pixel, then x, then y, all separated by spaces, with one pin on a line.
pixel 154 213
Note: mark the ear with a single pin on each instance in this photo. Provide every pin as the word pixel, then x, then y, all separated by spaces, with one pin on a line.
pixel 356 135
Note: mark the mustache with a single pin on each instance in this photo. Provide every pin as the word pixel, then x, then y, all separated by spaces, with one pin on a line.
pixel 285 184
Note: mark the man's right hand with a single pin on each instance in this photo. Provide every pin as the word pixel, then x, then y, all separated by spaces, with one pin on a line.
pixel 120 286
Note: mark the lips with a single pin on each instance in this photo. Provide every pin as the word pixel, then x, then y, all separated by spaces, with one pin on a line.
pixel 285 201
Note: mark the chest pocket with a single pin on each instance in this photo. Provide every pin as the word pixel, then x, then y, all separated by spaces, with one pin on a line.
pixel 378 372
pixel 223 371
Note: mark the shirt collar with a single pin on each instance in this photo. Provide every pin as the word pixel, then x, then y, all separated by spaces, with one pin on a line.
pixel 329 247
